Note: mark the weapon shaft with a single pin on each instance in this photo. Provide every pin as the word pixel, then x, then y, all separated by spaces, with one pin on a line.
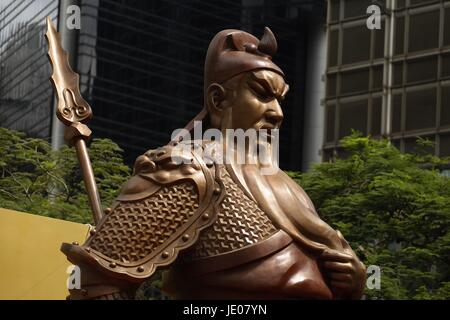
pixel 89 179
pixel 73 111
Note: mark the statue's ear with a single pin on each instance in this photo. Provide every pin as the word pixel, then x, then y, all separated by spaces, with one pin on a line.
pixel 215 94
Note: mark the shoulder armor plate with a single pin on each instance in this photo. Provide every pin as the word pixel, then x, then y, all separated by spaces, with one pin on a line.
pixel 171 197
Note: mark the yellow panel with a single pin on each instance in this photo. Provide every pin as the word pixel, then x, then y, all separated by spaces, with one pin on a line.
pixel 31 265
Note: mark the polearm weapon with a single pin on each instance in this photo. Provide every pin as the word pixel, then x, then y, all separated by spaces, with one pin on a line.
pixel 74 112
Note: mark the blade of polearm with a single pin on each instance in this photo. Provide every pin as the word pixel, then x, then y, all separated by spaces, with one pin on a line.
pixel 74 112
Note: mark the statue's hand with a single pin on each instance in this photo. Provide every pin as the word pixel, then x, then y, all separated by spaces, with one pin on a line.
pixel 345 272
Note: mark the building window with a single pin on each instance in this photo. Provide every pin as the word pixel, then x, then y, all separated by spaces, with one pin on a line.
pixel 400 4
pixel 420 109
pixel 378 46
pixel 333 46
pixel 352 115
pixel 354 81
pixel 331 84
pixel 419 92
pixel 445 71
pixel 377 78
pixel 444 145
pixel 376 116
pixel 423 31
pixel 357 35
pixel 399 34
pixel 396 113
pixel 445 106
pixel 334 10
pixel 398 73
pixel 416 2
pixel 422 70
pixel 330 119
pixel 447 27
pixel 355 8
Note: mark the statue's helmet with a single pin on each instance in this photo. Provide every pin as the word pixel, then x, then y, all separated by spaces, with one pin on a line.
pixel 232 52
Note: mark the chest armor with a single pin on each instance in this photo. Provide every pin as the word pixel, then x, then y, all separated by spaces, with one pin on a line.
pixel 168 211
pixel 240 223
pixel 193 217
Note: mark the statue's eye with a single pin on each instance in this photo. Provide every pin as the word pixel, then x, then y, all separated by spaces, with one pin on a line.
pixel 259 91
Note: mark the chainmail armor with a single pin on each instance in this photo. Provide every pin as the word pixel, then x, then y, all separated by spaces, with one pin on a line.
pixel 240 222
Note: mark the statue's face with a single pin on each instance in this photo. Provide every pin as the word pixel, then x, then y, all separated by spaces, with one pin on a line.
pixel 254 101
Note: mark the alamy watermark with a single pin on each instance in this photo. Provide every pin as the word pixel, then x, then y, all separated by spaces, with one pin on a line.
pixel 252 146
pixel 374 20
pixel 73 20
pixel 74 279
pixel 373 281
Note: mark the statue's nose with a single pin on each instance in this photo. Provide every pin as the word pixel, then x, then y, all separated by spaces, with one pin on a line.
pixel 274 116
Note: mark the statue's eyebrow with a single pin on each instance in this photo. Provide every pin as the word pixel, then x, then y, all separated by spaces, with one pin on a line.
pixel 264 83
pixel 285 90
pixel 269 88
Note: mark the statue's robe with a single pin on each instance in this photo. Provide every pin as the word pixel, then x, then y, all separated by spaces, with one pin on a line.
pixel 249 252
pixel 221 231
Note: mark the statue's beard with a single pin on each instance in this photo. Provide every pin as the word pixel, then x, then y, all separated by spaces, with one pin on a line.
pixel 287 205
pixel 263 152
pixel 284 201
pixel 258 146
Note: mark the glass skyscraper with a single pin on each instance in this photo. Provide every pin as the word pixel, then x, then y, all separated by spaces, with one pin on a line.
pixel 141 64
pixel 391 82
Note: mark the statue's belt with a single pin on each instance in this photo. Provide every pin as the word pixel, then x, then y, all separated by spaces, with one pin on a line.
pixel 268 246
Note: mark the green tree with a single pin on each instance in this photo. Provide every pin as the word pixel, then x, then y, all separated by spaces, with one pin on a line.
pixel 36 179
pixel 394 209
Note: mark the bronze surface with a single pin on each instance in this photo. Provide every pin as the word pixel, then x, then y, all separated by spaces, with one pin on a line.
pixel 127 235
pixel 275 268
pixel 240 223
pixel 148 227
pixel 239 233
pixel 74 112
pixel 234 258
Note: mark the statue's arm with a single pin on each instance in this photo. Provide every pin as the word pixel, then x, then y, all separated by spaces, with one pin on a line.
pixel 160 211
pixel 346 274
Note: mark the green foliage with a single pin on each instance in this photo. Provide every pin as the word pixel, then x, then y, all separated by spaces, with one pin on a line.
pixel 394 209
pixel 36 179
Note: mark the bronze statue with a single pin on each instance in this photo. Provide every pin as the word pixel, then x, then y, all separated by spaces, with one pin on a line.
pixel 221 229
